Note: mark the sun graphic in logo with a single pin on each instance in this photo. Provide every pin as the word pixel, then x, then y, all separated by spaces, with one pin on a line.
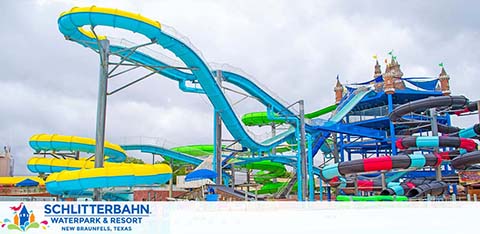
pixel 23 220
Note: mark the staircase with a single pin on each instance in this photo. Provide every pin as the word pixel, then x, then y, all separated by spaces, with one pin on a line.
pixel 285 191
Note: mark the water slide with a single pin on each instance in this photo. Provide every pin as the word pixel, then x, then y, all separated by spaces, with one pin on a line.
pixel 345 107
pixel 153 149
pixel 436 141
pixel 387 163
pixel 427 103
pixel 72 175
pixel 464 161
pixel 461 159
pixel 268 171
pixel 378 198
pixel 453 102
pixel 261 118
pixel 318 127
pixel 413 188
pixel 195 150
pixel 71 25
pixel 471 107
pixel 463 145
pixel 340 112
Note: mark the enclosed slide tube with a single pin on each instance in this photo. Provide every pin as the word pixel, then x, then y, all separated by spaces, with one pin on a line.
pixel 470 132
pixel 416 188
pixel 466 160
pixel 69 175
pixel 471 107
pixel 71 24
pixel 427 103
pixel 434 188
pixel 401 161
pixel 436 141
pixel 396 188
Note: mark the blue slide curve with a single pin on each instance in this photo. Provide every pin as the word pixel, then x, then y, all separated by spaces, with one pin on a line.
pixel 70 22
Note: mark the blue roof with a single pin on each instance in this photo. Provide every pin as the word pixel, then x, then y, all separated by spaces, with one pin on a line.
pixel 27 182
pixel 200 175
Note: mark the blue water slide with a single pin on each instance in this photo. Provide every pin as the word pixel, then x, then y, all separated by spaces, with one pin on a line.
pixel 152 149
pixel 343 109
pixel 69 24
pixel 348 105
pixel 255 91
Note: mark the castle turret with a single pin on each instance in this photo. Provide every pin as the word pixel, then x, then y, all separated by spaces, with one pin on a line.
pixel 24 216
pixel 444 82
pixel 397 75
pixel 338 91
pixel 378 70
pixel 388 85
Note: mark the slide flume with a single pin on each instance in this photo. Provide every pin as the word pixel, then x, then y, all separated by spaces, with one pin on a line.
pixel 72 175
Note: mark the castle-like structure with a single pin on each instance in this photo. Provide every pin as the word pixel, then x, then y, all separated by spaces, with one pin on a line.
pixel 391 80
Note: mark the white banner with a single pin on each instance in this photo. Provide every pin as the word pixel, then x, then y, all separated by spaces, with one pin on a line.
pixel 237 217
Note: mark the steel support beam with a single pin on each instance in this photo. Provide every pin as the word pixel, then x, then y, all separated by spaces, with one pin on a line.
pixel 217 156
pixel 101 111
pixel 392 126
pixel 303 153
pixel 433 119
pixel 311 181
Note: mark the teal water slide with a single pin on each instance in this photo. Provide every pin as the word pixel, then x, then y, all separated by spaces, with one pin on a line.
pixel 72 23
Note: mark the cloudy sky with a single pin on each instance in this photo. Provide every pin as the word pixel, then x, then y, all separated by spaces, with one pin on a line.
pixel 49 85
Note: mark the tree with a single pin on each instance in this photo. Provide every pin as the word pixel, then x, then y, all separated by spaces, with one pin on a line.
pixel 134 160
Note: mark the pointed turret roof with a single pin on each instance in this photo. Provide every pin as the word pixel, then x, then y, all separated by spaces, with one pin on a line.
pixel 378 69
pixel 338 83
pixel 443 73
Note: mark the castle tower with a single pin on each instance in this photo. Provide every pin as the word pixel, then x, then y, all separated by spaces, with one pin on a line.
pixel 16 219
pixel 378 70
pixel 32 217
pixel 397 75
pixel 388 84
pixel 444 82
pixel 24 216
pixel 338 91
pixel 6 162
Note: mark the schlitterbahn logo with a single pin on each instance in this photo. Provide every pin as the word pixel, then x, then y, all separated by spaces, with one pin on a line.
pixel 96 217
pixel 23 219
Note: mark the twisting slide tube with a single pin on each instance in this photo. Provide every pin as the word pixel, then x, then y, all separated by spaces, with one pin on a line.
pixel 401 161
pixel 268 171
pixel 471 107
pixel 423 104
pixel 471 132
pixel 434 188
pixel 416 187
pixel 436 141
pixel 464 161
pixel 70 175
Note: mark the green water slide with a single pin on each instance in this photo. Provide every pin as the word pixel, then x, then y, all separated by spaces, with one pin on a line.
pixel 261 119
pixel 378 198
pixel 195 150
pixel 268 171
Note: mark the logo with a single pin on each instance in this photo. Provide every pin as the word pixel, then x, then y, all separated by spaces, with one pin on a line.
pixel 23 220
